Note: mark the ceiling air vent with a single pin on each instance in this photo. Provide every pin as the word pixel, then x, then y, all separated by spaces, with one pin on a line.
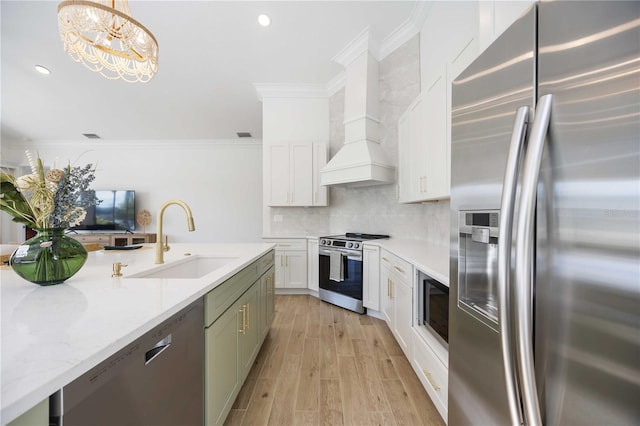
pixel 91 136
pixel 243 134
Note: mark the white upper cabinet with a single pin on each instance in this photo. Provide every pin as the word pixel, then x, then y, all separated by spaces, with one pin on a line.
pixel 320 154
pixel 295 123
pixel 291 173
pixel 448 43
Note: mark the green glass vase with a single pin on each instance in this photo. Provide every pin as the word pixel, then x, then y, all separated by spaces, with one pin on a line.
pixel 48 258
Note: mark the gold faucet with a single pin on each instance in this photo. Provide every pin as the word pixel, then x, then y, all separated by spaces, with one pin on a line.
pixel 160 246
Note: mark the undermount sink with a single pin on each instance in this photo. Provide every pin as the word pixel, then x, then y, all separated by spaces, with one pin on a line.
pixel 190 268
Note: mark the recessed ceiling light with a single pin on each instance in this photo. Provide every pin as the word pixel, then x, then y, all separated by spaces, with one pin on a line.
pixel 42 70
pixel 264 20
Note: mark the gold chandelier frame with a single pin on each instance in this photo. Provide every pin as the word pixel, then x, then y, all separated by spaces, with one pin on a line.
pixel 88 28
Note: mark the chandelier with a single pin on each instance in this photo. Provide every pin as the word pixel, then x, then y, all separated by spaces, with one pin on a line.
pixel 103 36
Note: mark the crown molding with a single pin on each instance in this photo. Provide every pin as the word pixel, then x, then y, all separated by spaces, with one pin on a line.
pixel 145 144
pixel 290 90
pixel 362 43
pixel 408 29
pixel 336 84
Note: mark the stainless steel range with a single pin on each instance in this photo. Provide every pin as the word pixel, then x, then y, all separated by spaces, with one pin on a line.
pixel 340 272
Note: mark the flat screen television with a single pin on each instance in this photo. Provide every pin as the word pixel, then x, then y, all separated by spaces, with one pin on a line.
pixel 115 212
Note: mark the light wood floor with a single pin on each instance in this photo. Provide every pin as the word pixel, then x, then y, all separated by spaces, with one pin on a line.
pixel 323 365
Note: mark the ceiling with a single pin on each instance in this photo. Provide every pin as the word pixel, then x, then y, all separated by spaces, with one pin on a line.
pixel 211 55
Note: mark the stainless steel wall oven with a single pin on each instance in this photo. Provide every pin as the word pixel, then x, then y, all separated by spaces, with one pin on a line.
pixel 340 271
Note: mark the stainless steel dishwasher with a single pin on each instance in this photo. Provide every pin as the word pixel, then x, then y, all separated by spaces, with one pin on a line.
pixel 156 380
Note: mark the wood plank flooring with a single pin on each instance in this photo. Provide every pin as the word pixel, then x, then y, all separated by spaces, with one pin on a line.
pixel 324 365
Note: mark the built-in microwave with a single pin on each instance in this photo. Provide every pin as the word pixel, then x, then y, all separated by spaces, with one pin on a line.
pixel 433 306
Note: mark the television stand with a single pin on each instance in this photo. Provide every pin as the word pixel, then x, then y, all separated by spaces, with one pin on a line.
pixel 114 239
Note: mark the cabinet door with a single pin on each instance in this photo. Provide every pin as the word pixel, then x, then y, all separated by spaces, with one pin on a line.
pixel 371 277
pixel 222 381
pixel 313 264
pixel 269 302
pixel 417 149
pixel 295 269
pixel 319 161
pixel 278 174
pixel 301 177
pixel 386 302
pixel 404 158
pixel 281 271
pixel 435 182
pixel 403 308
pixel 250 324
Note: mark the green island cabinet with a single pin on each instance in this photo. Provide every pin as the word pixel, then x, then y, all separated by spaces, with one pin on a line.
pixel 238 315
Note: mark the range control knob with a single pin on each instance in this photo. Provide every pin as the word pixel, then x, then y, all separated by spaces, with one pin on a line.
pixel 323 242
pixel 350 245
pixel 356 245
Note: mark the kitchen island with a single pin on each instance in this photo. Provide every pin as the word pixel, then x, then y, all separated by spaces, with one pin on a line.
pixel 52 335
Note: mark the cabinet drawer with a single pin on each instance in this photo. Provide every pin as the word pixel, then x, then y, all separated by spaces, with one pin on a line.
pixel 432 373
pixel 401 267
pixel 265 262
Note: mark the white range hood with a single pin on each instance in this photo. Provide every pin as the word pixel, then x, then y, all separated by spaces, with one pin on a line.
pixel 361 160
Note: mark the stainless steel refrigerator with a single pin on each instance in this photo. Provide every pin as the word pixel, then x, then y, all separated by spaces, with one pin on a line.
pixel 545 223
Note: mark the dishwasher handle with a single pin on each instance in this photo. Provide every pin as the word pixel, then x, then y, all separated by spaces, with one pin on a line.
pixel 157 349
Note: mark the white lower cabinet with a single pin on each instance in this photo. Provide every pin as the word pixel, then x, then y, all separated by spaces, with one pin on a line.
pixel 397 297
pixel 290 262
pixel 433 374
pixel 427 356
pixel 371 277
pixel 238 315
pixel 313 264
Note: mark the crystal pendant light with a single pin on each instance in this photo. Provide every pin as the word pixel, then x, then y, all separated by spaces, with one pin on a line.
pixel 103 36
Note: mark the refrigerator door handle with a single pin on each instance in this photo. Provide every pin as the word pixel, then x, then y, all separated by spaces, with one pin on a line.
pixel 507 209
pixel 524 262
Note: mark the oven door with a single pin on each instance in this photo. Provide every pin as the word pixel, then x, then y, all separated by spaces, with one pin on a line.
pixel 351 285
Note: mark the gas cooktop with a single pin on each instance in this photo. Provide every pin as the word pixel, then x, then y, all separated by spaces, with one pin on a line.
pixel 356 236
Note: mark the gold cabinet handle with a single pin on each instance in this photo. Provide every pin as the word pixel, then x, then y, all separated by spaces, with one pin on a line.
pixel 399 269
pixel 385 259
pixel 244 319
pixel 268 285
pixel 248 315
pixel 392 284
pixel 433 384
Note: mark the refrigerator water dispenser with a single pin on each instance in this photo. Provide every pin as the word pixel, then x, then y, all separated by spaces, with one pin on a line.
pixel 478 265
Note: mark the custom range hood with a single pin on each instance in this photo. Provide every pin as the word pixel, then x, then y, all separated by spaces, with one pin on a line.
pixel 361 160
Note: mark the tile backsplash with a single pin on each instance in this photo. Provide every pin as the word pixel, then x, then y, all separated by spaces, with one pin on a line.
pixel 372 209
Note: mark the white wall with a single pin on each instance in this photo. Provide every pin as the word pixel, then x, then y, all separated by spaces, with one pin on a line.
pixel 221 181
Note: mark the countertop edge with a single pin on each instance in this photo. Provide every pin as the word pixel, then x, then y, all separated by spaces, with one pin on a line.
pixel 30 398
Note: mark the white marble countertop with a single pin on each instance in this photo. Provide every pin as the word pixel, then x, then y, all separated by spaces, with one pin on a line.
pixel 52 335
pixel 429 258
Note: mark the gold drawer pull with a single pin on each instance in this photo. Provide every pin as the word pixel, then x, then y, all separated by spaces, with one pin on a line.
pixel 433 384
pixel 399 269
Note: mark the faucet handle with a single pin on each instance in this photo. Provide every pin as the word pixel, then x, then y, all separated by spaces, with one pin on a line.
pixel 117 269
pixel 165 246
